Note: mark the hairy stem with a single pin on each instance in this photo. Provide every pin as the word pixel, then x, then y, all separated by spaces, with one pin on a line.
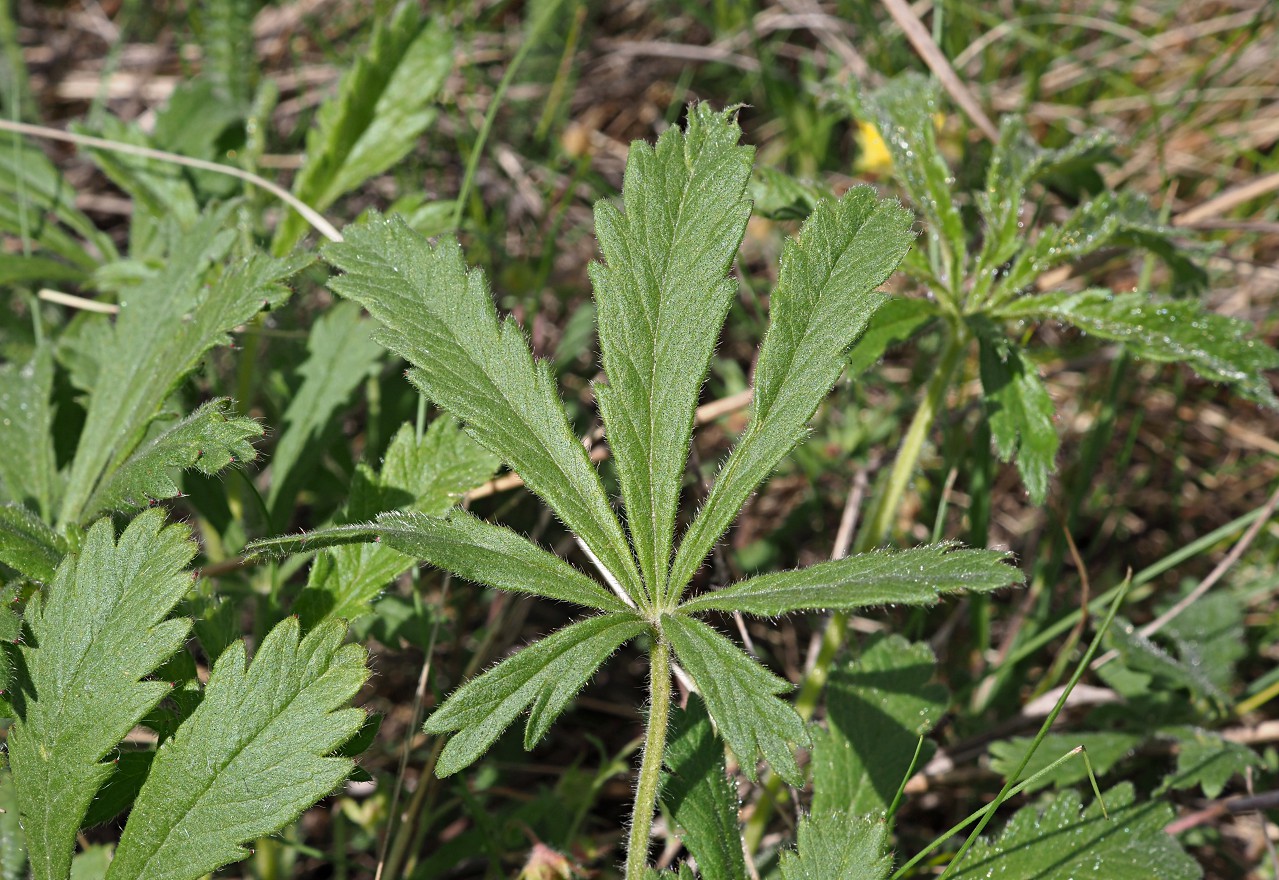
pixel 877 528
pixel 650 774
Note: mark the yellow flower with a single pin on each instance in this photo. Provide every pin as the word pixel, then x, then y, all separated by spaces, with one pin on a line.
pixel 872 153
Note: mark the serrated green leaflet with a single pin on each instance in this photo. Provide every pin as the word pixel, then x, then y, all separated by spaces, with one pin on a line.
pixel 838 846
pixel 741 696
pixel 1105 749
pixel 662 294
pixel 543 676
pixel 250 758
pixel 824 298
pixel 441 318
pixel 28 472
pixel 165 327
pixel 919 576
pixel 208 440
pixel 877 708
pixel 383 105
pixel 1060 841
pixel 1019 410
pixel 1167 331
pixel 100 631
pixel 28 545
pixel 340 354
pixel 699 797
pixel 1207 760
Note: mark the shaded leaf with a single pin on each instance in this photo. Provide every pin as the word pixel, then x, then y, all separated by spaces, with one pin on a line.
pixel 28 472
pixel 251 758
pixel 1207 760
pixel 544 676
pixel 1061 841
pixel 100 630
pixel 27 545
pixel 919 576
pixel 740 696
pixel 340 354
pixel 1141 654
pixel 877 707
pixel 441 318
pixel 208 440
pixel 662 296
pixel 823 301
pixel 896 321
pixel 699 796
pixel 1019 410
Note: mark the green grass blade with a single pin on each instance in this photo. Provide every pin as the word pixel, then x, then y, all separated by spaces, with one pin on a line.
pixel 662 296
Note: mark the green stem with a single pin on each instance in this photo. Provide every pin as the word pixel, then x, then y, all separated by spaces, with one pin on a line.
pixel 650 775
pixel 876 530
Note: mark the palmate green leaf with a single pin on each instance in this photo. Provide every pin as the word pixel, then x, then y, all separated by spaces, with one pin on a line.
pixel 429 475
pixel 101 629
pixel 1017 161
pixel 877 708
pixel 28 472
pixel 383 105
pixel 251 758
pixel 340 354
pixel 918 576
pixel 699 797
pixel 1105 750
pixel 740 696
pixel 28 545
pixel 1166 331
pixel 208 440
pixel 164 328
pixel 838 846
pixel 1018 409
pixel 544 676
pixel 662 296
pixel 824 298
pixel 1060 842
pixel 905 109
pixel 441 318
pixel 1207 760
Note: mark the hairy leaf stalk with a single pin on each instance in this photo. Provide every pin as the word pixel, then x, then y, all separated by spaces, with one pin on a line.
pixel 650 775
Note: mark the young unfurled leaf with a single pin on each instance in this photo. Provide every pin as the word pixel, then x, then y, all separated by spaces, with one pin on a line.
pixel 699 797
pixel 546 676
pixel 919 576
pixel 1058 841
pixel 905 109
pixel 340 353
pixel 28 472
pixel 250 759
pixel 383 105
pixel 662 296
pixel 1018 409
pixel 164 328
pixel 441 318
pixel 28 545
pixel 877 708
pixel 99 632
pixel 208 440
pixel 824 298
pixel 741 697
pixel 1167 331
pixel 838 846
